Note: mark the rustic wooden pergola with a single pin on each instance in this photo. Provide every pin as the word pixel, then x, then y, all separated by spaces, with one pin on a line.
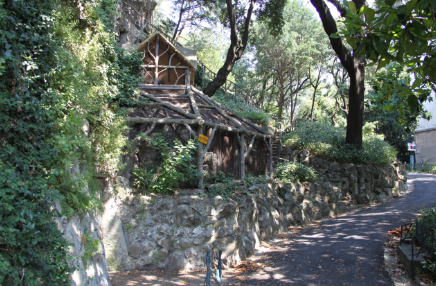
pixel 202 110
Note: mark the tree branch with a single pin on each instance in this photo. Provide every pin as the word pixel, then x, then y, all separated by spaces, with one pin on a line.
pixel 330 27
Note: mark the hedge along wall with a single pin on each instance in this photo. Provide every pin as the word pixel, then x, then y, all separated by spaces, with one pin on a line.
pixel 358 182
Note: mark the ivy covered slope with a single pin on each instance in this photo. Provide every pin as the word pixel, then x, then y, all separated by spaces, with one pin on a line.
pixel 31 247
pixel 60 122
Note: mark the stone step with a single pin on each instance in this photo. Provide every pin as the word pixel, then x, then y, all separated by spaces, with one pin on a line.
pixel 405 252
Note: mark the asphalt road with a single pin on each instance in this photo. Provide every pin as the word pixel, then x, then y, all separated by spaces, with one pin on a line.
pixel 346 250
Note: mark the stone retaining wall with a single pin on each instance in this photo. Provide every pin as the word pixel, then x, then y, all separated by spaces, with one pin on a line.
pixel 364 184
pixel 146 232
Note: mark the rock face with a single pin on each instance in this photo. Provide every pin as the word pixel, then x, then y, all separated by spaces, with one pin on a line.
pixel 77 229
pixel 133 21
pixel 144 232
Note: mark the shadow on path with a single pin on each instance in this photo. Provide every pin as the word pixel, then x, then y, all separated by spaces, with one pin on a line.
pixel 346 250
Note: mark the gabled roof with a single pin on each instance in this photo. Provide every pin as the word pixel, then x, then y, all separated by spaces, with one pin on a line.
pixel 164 39
pixel 177 105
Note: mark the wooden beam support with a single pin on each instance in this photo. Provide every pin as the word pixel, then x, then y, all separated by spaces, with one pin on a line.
pixel 206 106
pixel 241 141
pixel 222 127
pixel 200 159
pixel 225 115
pixel 191 131
pixel 169 106
pixel 250 146
pixel 161 86
pixel 220 111
pixel 153 125
pixel 171 95
pixel 164 66
pixel 209 141
pixel 165 120
pixel 270 151
pixel 193 103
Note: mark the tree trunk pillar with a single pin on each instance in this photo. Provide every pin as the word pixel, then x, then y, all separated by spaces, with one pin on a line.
pixel 270 159
pixel 242 155
pixel 200 159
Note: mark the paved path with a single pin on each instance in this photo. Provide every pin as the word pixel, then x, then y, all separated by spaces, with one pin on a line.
pixel 346 250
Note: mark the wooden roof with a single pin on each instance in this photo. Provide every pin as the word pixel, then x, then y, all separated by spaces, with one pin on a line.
pixel 193 107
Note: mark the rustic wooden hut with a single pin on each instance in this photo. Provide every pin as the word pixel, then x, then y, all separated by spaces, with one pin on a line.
pixel 234 145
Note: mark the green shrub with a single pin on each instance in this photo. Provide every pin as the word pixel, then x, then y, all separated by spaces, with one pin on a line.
pixel 328 142
pixel 230 189
pixel 291 172
pixel 91 247
pixel 428 217
pixel 177 166
pixel 239 106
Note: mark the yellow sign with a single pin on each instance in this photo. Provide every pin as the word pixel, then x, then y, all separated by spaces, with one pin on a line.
pixel 203 139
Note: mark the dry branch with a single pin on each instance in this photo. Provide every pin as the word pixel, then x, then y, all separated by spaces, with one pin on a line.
pixel 209 141
pixel 150 129
pixel 193 103
pixel 200 158
pixel 190 130
pixel 250 146
pixel 206 106
pixel 222 127
pixel 168 105
pixel 165 120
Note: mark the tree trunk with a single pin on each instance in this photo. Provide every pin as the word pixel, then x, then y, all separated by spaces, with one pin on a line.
pixel 354 67
pixel 355 106
pixel 281 98
pixel 235 51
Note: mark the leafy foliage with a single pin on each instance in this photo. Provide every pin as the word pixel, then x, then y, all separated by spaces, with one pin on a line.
pixel 403 33
pixel 60 123
pixel 91 247
pixel 228 188
pixel 328 142
pixel 239 106
pixel 31 247
pixel 428 218
pixel 177 166
pixel 291 172
pixel 387 107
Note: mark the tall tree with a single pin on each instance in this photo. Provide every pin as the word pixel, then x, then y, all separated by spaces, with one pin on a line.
pixel 353 63
pixel 388 106
pixel 269 12
pixel 289 57
pixel 192 13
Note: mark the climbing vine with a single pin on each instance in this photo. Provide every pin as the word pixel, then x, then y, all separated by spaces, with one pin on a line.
pixel 61 120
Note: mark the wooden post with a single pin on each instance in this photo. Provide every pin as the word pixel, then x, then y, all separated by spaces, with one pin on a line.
pixel 188 76
pixel 270 166
pixel 200 159
pixel 156 58
pixel 241 141
pixel 209 141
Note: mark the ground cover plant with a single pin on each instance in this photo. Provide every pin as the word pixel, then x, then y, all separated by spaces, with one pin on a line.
pixel 177 166
pixel 428 218
pixel 227 187
pixel 239 106
pixel 291 172
pixel 328 142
